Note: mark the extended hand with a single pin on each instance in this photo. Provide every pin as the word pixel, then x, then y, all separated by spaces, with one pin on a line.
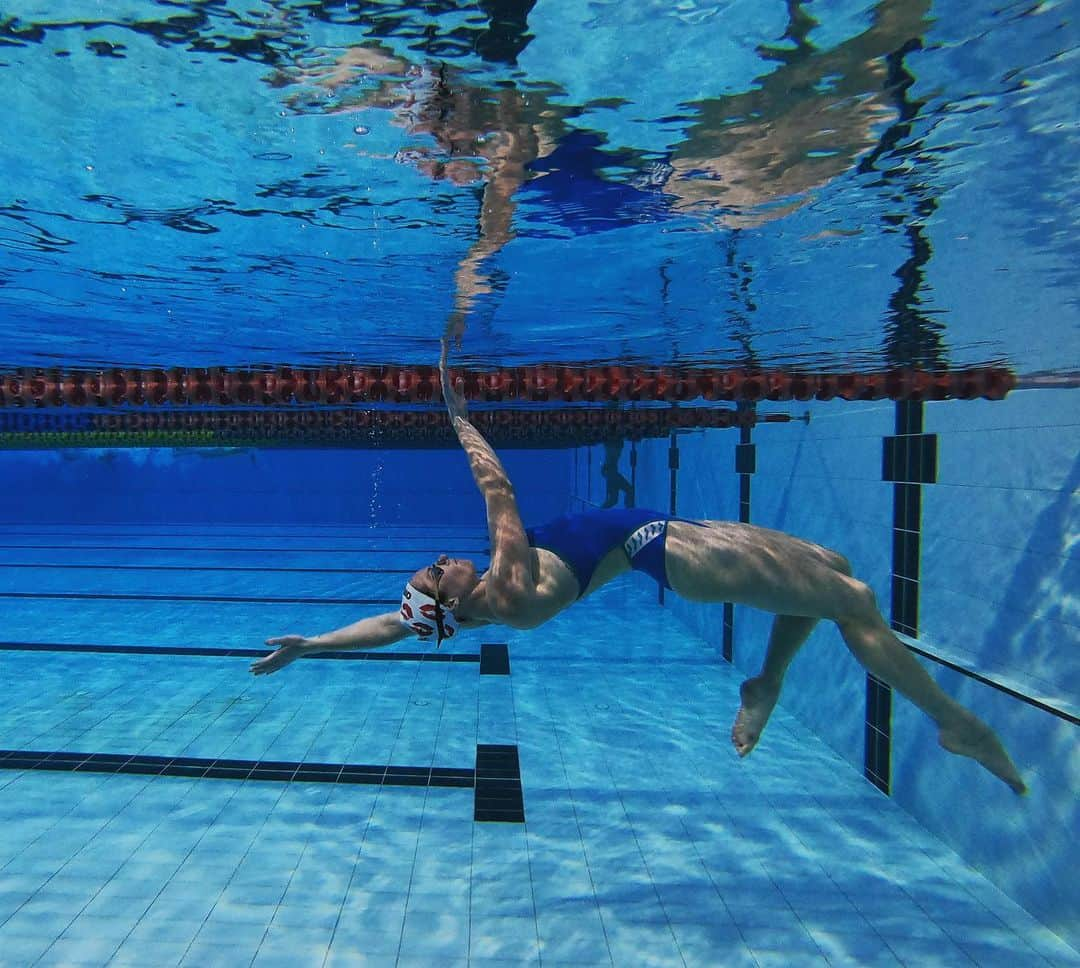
pixel 290 648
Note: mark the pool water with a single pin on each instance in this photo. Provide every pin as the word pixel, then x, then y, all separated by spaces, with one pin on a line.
pixel 205 195
pixel 645 841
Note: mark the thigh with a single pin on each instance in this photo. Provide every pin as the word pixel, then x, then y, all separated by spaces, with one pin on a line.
pixel 724 561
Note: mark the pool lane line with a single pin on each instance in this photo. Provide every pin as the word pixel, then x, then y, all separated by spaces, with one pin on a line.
pixel 254 569
pixel 196 650
pixel 498 795
pixel 109 528
pixel 195 599
pixel 198 767
pixel 429 550
pixel 348 531
pixel 493 658
pixel 495 778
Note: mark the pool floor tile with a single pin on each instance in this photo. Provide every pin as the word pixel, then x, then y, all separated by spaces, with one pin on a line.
pixel 505 938
pixel 643 844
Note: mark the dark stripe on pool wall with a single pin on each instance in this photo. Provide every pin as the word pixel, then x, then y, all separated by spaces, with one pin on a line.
pixel 494 659
pixel 673 491
pixel 877 737
pixel 243 653
pixel 908 460
pixel 498 797
pixel 745 467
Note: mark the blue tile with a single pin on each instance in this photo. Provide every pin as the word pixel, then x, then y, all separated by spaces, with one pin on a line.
pixel 435 935
pixel 572 937
pixel 379 920
pixel 143 952
pixel 704 944
pixel 409 961
pixel 290 955
pixel 991 954
pixel 190 899
pixel 507 938
pixel 19 949
pixel 641 944
pixel 79 951
pixel 283 937
pixel 522 962
pixel 921 951
pixel 360 939
pixel 493 900
pixel 204 954
pixel 322 916
pixel 153 927
pixel 225 930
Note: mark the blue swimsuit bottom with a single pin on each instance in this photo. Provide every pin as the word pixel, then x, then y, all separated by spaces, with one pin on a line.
pixel 582 540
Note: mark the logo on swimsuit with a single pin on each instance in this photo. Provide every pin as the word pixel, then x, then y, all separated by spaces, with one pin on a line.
pixel 643 535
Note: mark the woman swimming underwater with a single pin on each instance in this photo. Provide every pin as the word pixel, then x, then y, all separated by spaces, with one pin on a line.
pixel 537 573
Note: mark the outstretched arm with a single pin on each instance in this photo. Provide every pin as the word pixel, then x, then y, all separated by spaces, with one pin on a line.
pixel 511 581
pixel 368 633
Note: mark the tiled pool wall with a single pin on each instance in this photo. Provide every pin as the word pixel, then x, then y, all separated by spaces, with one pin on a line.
pixel 996 585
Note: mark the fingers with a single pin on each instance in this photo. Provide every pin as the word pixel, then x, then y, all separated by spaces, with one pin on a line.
pixel 263 667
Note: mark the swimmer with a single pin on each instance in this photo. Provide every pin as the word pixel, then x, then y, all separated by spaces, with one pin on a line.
pixel 536 574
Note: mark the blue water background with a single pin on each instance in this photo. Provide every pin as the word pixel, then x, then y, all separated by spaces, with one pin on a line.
pixel 165 204
pixel 186 191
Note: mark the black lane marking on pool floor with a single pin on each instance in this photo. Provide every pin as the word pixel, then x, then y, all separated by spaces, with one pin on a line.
pixel 59 761
pixel 495 780
pixel 494 659
pixel 430 549
pixel 346 531
pixel 226 599
pixel 242 653
pixel 498 796
pixel 253 569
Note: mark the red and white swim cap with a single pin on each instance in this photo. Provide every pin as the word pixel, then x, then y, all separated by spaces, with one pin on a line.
pixel 425 616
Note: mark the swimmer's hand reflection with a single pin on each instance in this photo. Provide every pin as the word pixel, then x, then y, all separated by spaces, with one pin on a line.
pixel 289 649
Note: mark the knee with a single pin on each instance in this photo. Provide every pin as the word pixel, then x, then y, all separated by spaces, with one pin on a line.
pixel 860 601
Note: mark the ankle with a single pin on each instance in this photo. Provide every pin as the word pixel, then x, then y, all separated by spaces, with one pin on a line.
pixel 765 683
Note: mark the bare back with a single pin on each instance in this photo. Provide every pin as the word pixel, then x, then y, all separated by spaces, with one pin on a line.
pixel 556 587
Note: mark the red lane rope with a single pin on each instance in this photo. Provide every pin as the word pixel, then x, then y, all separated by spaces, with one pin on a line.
pixel 388 383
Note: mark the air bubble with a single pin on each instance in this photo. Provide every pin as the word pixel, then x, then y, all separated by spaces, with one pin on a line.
pixel 361 129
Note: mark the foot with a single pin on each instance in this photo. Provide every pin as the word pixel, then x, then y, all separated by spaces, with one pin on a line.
pixel 758 699
pixel 970 736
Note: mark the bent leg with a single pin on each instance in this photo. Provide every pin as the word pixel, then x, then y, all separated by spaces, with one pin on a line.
pixel 959 730
pixel 801 583
pixel 759 694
